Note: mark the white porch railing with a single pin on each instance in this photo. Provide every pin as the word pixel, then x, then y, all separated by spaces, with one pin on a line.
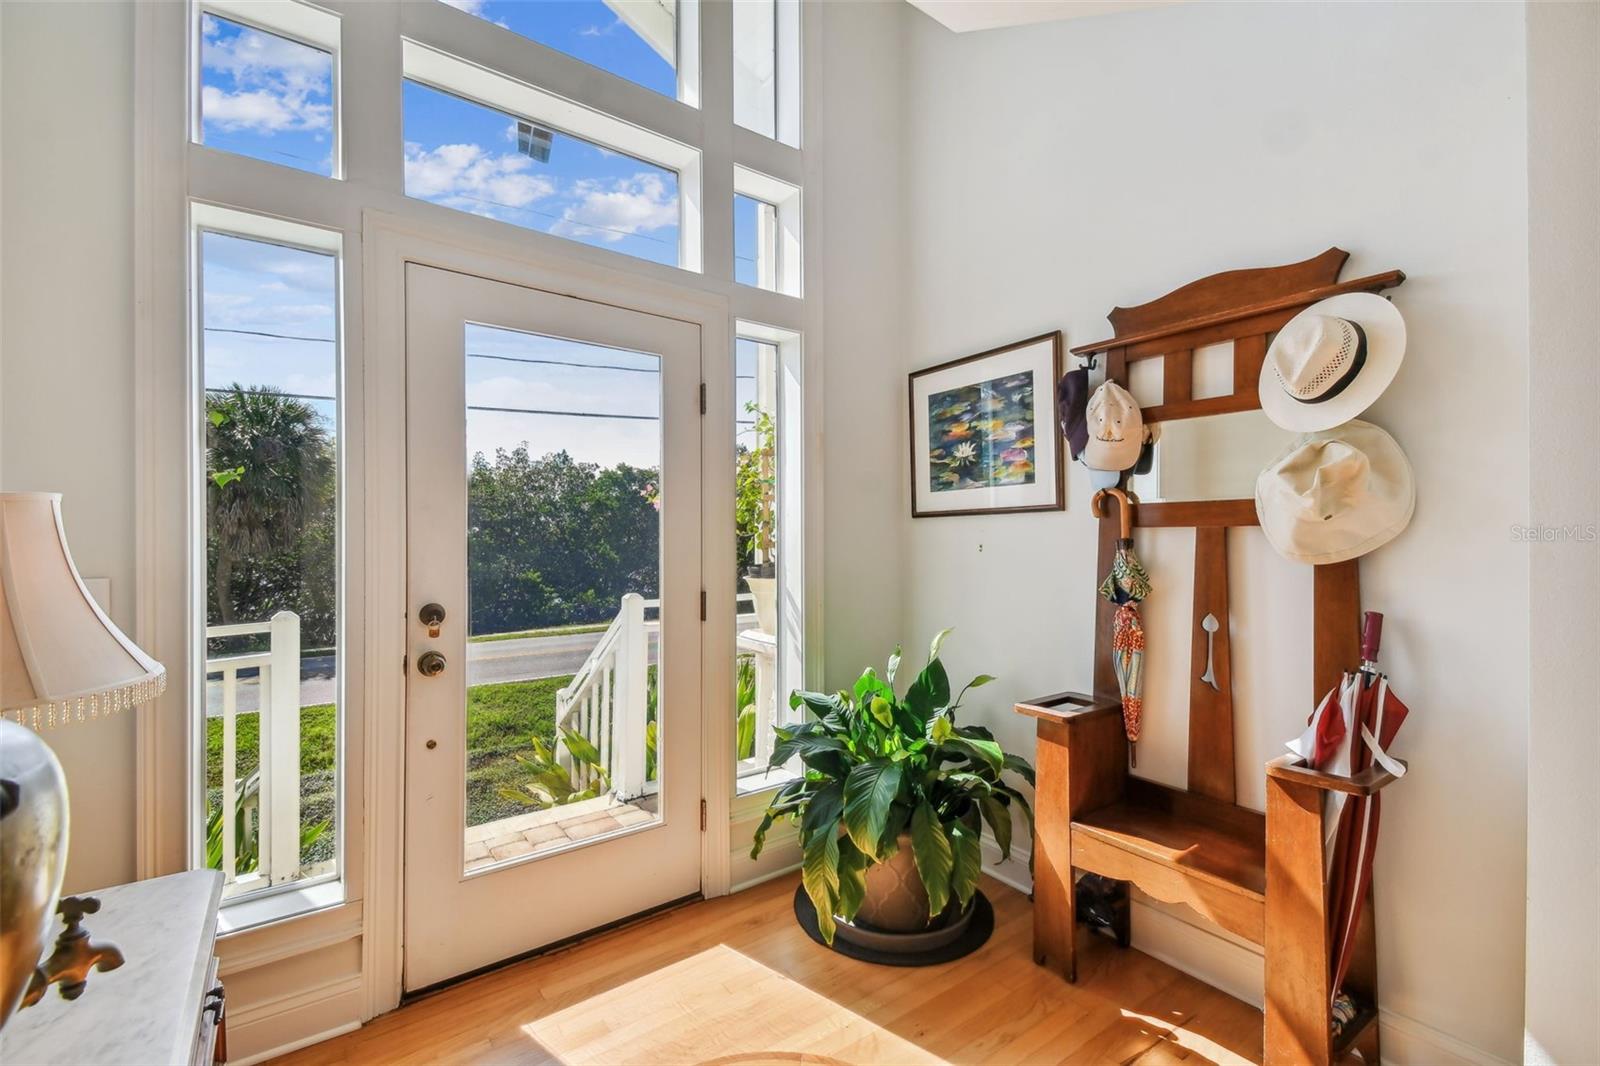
pixel 607 703
pixel 277 800
pixel 763 650
pixel 607 700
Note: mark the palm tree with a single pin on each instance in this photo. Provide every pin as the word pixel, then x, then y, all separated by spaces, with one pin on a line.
pixel 270 465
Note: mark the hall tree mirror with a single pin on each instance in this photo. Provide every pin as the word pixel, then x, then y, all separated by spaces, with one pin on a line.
pixel 1212 457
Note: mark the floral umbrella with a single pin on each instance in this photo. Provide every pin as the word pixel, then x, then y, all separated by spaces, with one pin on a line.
pixel 1126 586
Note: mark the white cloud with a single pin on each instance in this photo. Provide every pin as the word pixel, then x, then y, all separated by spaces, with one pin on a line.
pixel 620 208
pixel 278 85
pixel 467 177
pixel 476 8
pixel 261 111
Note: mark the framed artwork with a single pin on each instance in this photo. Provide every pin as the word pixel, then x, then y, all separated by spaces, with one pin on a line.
pixel 985 437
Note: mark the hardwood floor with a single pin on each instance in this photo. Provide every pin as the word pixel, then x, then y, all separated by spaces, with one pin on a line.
pixel 735 981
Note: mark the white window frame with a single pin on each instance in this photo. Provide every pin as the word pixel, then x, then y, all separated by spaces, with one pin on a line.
pixel 778 248
pixel 254 906
pixel 300 23
pixel 791 500
pixel 367 207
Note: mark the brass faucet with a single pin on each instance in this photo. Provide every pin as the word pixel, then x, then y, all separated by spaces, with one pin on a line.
pixel 74 956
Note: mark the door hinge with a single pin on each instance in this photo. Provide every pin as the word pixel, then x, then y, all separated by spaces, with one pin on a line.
pixel 702 397
pixel 405 664
pixel 702 816
pixel 702 605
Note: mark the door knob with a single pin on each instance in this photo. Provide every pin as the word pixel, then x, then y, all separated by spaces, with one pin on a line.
pixel 432 616
pixel 430 664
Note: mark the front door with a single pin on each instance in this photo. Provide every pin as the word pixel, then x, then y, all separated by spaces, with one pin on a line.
pixel 552 697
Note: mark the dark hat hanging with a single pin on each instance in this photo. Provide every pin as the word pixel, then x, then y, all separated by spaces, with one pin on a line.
pixel 1072 397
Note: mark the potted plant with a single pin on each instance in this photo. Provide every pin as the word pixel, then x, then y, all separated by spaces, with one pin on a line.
pixel 893 784
pixel 755 515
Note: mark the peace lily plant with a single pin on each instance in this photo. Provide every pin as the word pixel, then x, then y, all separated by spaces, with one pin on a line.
pixel 879 766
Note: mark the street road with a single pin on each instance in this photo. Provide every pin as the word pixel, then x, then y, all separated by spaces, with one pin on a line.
pixel 488 662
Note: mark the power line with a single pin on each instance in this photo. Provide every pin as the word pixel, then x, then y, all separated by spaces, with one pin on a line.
pixel 563 414
pixel 264 333
pixel 470 355
pixel 563 362
pixel 286 395
pixel 500 410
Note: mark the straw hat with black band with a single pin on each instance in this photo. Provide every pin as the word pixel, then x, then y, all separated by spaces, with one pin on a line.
pixel 1331 361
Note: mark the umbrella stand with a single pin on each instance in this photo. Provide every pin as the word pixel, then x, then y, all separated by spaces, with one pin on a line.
pixel 1378 715
pixel 1126 586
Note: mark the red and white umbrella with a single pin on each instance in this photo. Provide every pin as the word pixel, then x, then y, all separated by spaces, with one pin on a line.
pixel 1350 730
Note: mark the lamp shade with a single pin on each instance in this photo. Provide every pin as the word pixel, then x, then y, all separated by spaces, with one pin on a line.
pixel 61 658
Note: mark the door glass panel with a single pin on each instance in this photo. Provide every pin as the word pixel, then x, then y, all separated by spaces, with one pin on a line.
pixel 563 574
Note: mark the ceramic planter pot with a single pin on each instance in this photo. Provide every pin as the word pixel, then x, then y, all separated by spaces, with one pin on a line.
pixel 895 899
pixel 764 591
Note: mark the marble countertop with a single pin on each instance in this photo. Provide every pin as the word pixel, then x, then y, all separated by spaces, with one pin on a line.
pixel 148 1010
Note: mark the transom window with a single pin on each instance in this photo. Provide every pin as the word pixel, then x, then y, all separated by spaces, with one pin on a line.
pixel 269 93
pixel 476 159
pixel 637 40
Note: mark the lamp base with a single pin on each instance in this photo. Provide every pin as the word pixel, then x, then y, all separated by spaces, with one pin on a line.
pixel 33 856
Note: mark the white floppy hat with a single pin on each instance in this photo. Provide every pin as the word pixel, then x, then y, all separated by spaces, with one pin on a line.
pixel 1331 361
pixel 1336 494
pixel 1116 429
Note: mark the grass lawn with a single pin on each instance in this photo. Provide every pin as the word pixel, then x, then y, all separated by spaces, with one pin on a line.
pixel 500 720
pixel 548 631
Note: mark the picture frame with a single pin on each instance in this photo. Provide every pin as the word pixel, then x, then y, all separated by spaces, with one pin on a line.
pixel 985 432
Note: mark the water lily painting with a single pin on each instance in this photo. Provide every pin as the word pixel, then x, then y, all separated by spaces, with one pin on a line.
pixel 984 436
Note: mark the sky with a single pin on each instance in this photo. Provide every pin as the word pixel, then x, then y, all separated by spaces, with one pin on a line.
pixel 271 98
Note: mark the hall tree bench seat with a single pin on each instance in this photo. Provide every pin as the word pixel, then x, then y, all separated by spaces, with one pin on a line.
pixel 1202 852
pixel 1261 876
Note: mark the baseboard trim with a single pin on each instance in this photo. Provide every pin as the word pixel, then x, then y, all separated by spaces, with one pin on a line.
pixel 1205 955
pixel 281 1024
pixel 1406 1041
pixel 295 1045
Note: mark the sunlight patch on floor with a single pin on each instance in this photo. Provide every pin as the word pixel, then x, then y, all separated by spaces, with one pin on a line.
pixel 1192 1043
pixel 742 1012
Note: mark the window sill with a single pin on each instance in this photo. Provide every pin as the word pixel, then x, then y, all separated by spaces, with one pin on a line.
pixel 253 913
pixel 764 781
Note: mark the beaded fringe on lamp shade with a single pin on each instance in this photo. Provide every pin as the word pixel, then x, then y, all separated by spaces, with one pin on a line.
pixel 61 659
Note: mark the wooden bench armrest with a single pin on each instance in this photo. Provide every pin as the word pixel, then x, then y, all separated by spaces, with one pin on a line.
pixel 1368 781
pixel 1069 706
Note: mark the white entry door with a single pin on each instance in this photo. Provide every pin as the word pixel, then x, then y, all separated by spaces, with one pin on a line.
pixel 553 677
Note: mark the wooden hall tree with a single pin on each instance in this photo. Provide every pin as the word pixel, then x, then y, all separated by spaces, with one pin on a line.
pixel 1260 876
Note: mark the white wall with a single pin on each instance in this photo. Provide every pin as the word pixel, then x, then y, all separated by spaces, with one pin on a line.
pixel 863 468
pixel 1056 171
pixel 1563 983
pixel 66 341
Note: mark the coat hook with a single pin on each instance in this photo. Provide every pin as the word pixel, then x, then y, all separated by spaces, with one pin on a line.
pixel 1124 519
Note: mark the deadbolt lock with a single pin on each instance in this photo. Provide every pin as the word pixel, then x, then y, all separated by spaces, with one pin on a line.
pixel 430 664
pixel 432 616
